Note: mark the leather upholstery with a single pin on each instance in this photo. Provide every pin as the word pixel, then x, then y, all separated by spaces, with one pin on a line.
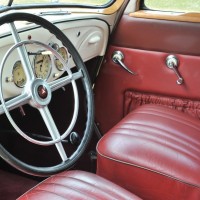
pixel 153 77
pixel 153 152
pixel 133 99
pixel 75 185
pixel 157 35
pixel 145 44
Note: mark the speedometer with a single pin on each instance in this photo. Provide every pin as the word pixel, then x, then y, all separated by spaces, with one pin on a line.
pixel 19 76
pixel 42 66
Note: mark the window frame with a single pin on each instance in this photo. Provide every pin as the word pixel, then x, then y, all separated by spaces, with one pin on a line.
pixel 57 5
pixel 144 7
pixel 146 13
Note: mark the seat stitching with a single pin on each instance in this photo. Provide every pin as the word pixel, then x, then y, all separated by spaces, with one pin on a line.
pixel 75 189
pixel 195 142
pixel 151 170
pixel 160 111
pixel 169 145
pixel 133 123
pixel 100 189
pixel 169 135
pixel 107 192
pixel 183 118
pixel 171 117
pixel 42 190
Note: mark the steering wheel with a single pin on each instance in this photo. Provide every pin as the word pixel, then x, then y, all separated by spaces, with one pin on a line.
pixel 38 93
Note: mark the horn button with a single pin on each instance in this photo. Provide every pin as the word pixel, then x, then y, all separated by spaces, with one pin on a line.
pixel 42 92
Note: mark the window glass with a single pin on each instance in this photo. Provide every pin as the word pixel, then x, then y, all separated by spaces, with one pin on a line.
pixel 85 2
pixel 173 5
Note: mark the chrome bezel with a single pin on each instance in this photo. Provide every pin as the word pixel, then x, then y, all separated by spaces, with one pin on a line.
pixel 14 66
pixel 50 67
pixel 55 58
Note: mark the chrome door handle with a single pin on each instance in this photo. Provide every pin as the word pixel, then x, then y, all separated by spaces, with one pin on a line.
pixel 172 63
pixel 117 58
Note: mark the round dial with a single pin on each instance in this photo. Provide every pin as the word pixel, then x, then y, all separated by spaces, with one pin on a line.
pixel 42 66
pixel 63 52
pixel 19 76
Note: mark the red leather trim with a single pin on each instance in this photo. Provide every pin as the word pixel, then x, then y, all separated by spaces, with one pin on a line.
pixel 152 76
pixel 136 180
pixel 158 35
pixel 74 185
pixel 133 99
pixel 153 152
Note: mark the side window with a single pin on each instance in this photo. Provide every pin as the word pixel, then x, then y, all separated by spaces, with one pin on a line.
pixel 173 5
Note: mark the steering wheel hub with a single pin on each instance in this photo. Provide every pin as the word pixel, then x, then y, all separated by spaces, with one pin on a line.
pixel 42 92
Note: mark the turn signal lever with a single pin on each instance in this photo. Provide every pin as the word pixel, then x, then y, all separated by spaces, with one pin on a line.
pixel 172 63
pixel 118 58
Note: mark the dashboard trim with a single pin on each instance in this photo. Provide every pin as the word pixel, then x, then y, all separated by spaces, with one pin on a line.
pixel 70 27
pixel 60 22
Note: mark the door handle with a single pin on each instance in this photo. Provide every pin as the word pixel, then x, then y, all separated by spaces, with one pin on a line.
pixel 118 58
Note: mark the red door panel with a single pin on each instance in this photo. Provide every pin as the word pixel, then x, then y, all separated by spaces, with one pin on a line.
pixel 158 35
pixel 145 45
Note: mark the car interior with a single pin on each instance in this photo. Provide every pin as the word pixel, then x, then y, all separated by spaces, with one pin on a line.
pixel 99 100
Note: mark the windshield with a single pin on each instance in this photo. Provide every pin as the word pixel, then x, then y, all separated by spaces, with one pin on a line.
pixel 85 2
pixel 4 2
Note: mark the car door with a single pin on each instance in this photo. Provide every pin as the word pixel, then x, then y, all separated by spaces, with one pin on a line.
pixel 162 49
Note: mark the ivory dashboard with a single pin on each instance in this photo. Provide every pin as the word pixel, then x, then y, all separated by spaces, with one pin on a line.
pixel 89 36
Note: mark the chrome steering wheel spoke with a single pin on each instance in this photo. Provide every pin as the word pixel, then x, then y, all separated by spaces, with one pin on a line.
pixel 65 80
pixel 51 126
pixel 15 102
pixel 22 53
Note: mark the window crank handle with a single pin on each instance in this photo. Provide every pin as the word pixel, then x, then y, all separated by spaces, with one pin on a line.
pixel 172 63
pixel 117 58
pixel 180 79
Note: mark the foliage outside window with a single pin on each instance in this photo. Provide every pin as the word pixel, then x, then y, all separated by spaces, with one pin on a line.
pixel 173 5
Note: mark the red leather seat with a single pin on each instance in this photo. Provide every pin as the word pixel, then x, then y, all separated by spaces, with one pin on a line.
pixel 74 185
pixel 153 152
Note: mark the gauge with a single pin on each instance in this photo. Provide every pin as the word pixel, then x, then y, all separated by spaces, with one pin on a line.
pixel 19 76
pixel 63 52
pixel 42 66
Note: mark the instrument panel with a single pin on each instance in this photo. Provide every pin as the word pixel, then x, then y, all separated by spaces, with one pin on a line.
pixel 89 40
pixel 42 67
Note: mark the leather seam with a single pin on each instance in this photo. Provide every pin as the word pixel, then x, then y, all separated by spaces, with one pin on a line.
pixel 158 129
pixel 168 146
pixel 148 169
pixel 80 192
pixel 41 190
pixel 100 189
pixel 169 116
pixel 150 108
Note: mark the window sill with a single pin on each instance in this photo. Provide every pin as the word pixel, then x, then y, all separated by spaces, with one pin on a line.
pixel 172 16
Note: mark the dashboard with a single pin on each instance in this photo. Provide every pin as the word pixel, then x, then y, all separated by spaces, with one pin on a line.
pixel 89 36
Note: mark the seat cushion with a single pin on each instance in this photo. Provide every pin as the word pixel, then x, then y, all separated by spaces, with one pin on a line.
pixel 153 152
pixel 77 185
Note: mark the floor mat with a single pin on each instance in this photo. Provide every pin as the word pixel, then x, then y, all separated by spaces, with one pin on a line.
pixel 13 185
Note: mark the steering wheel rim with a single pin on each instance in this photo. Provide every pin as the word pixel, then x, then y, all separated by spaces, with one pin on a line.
pixel 45 171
